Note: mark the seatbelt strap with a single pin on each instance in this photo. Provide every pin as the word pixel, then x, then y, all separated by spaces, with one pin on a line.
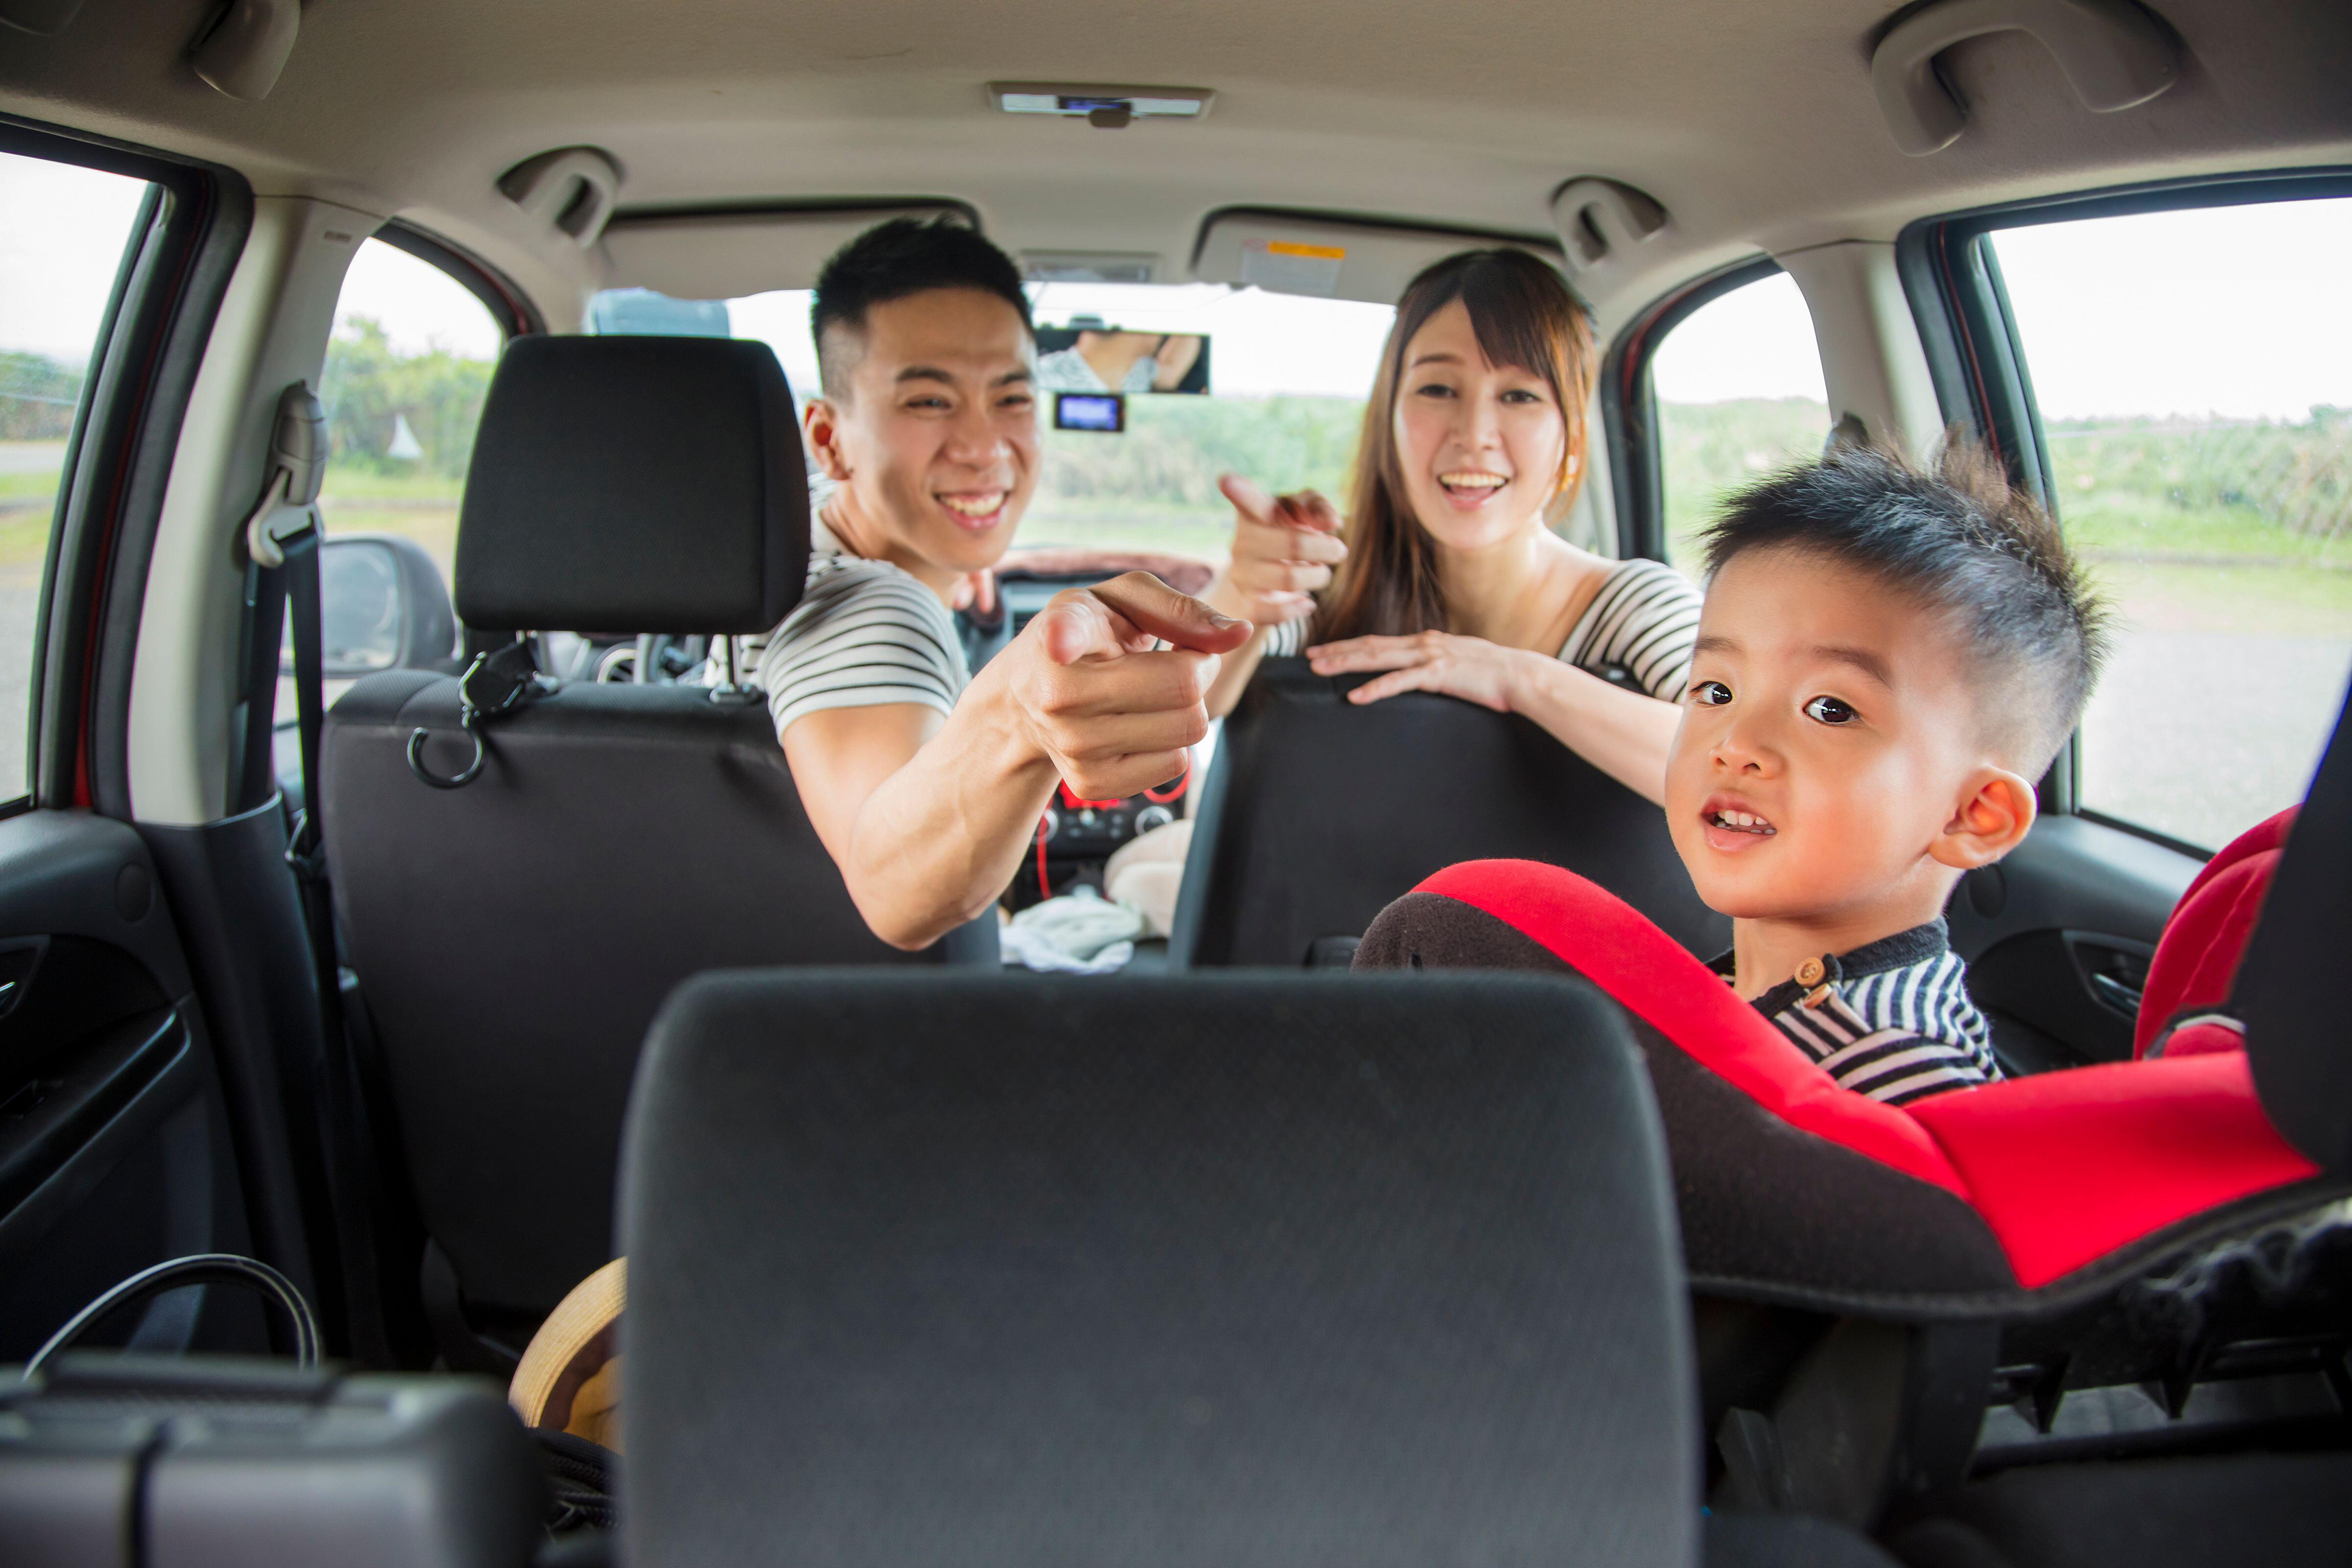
pixel 282 538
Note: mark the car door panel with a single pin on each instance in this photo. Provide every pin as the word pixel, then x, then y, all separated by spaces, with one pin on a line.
pixel 2058 937
pixel 114 1141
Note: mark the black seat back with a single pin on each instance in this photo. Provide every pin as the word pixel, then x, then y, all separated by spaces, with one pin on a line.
pixel 513 937
pixel 1239 1268
pixel 1318 813
pixel 2285 988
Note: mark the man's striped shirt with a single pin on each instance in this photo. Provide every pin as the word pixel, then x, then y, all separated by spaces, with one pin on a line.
pixel 1892 1019
pixel 1639 627
pixel 865 632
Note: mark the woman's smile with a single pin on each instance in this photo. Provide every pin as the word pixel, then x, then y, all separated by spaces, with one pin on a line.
pixel 1466 489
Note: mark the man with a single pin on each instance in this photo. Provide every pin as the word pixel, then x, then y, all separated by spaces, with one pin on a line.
pixel 925 783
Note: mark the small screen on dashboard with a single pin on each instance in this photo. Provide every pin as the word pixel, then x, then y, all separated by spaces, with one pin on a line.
pixel 1103 411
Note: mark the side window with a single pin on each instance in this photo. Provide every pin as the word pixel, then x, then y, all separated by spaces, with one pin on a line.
pixel 1739 392
pixel 63 232
pixel 2193 371
pixel 407 369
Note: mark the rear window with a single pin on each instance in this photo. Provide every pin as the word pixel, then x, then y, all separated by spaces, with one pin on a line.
pixel 1287 378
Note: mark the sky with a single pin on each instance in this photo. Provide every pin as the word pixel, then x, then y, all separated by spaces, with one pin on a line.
pixel 2235 312
pixel 62 234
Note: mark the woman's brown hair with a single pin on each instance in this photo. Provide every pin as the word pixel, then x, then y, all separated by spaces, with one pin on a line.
pixel 1524 316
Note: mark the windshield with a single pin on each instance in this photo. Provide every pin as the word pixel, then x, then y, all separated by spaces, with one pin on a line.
pixel 1286 376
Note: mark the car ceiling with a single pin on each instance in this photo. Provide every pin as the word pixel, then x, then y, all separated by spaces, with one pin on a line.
pixel 1755 125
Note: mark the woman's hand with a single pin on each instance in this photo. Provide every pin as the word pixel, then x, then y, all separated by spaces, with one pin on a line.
pixel 1284 550
pixel 1471 668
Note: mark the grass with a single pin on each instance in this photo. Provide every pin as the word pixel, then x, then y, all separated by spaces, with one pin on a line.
pixel 434 528
pixel 356 483
pixel 2152 594
pixel 2103 522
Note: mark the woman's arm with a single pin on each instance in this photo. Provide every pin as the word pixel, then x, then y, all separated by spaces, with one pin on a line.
pixel 1624 734
pixel 1284 551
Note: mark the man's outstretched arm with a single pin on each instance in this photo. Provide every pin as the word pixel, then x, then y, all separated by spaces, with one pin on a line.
pixel 928 818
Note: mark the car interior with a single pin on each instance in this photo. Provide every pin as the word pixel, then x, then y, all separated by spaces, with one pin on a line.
pixel 406 908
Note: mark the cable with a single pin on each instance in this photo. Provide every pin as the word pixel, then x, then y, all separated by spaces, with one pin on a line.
pixel 225 1267
pixel 1167 793
pixel 1045 890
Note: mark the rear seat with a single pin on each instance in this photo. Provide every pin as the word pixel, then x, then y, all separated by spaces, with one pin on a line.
pixel 1317 813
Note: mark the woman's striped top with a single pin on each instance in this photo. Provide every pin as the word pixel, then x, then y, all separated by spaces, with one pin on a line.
pixel 1639 629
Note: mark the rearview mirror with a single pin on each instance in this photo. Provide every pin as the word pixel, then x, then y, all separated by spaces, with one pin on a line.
pixel 1090 355
pixel 382 606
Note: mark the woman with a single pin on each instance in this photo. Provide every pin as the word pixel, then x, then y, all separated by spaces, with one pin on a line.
pixel 1448 577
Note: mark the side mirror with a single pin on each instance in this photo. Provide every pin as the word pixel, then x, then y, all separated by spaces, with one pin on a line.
pixel 383 607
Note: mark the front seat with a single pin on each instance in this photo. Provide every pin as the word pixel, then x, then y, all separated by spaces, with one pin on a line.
pixel 1234 1269
pixel 1317 813
pixel 513 937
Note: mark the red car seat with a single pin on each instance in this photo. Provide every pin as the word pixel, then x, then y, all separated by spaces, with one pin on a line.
pixel 2196 961
pixel 1792 1188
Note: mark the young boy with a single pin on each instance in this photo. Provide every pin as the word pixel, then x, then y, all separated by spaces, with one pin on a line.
pixel 1886 662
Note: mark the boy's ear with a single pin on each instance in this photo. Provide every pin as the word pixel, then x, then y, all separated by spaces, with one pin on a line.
pixel 1996 808
pixel 821 428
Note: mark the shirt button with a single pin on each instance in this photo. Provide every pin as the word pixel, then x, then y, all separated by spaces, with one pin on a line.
pixel 1810 973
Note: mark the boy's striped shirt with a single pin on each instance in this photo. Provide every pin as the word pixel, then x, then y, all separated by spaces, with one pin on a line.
pixel 1892 1019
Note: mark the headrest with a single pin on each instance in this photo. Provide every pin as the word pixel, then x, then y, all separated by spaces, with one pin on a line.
pixel 2196 960
pixel 2290 988
pixel 983 1272
pixel 634 485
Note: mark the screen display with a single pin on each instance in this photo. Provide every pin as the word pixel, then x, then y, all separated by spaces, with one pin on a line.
pixel 1103 411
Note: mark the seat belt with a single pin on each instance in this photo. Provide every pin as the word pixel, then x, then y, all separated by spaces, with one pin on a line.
pixel 282 536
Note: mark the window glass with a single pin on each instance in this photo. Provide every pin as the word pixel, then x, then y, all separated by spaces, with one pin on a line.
pixel 1287 380
pixel 63 233
pixel 407 369
pixel 1739 392
pixel 2194 375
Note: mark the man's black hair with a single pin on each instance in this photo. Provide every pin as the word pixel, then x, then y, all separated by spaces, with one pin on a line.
pixel 1964 542
pixel 891 261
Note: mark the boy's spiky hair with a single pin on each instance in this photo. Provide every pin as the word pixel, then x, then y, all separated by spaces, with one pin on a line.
pixel 1966 543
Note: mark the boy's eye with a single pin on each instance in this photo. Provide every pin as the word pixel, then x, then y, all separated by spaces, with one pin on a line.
pixel 1710 694
pixel 1830 710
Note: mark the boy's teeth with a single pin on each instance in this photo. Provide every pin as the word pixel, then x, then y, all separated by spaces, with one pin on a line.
pixel 1744 822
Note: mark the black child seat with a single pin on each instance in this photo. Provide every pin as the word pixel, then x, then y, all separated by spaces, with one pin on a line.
pixel 1236 1269
pixel 513 937
pixel 1317 813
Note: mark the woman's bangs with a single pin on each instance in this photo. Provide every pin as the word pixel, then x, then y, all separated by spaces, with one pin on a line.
pixel 1517 326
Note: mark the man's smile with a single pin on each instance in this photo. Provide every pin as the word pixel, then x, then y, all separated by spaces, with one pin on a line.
pixel 978 510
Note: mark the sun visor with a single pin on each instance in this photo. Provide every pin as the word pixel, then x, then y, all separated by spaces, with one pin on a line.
pixel 1333 258
pixel 726 256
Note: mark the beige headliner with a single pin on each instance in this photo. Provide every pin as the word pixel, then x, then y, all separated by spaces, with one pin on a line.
pixel 1753 124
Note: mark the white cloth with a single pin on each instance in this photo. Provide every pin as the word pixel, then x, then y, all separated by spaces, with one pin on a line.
pixel 1079 932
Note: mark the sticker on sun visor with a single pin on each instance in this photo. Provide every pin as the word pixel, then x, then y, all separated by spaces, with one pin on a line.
pixel 1288 268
